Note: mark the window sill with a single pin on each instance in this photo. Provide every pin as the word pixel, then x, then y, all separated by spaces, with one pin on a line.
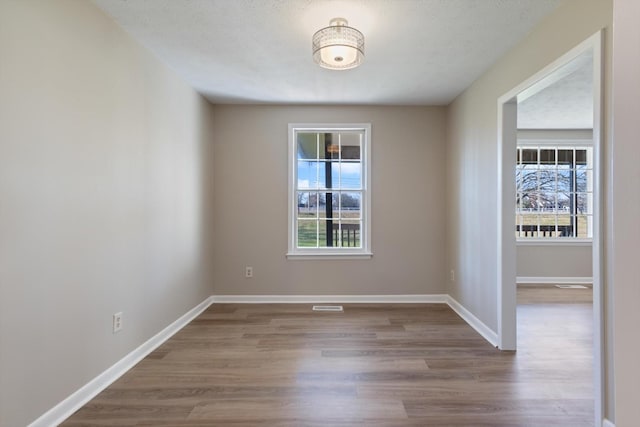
pixel 569 241
pixel 329 255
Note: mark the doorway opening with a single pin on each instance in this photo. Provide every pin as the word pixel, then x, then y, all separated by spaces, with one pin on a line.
pixel 567 215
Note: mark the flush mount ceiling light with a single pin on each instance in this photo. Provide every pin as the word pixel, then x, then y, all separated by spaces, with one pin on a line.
pixel 338 46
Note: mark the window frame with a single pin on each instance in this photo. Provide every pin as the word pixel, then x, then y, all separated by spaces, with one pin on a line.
pixel 580 143
pixel 363 252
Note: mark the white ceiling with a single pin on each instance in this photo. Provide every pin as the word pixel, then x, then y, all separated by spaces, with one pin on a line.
pixel 562 100
pixel 417 52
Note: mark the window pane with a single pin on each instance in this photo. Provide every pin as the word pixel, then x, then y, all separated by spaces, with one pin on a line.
pixel 335 175
pixel 322 205
pixel 565 227
pixel 584 203
pixel 530 219
pixel 528 202
pixel 307 174
pixel 350 234
pixel 581 157
pixel 581 180
pixel 565 157
pixel 307 204
pixel 547 221
pixel 307 233
pixel 528 179
pixel 530 156
pixel 322 175
pixel 565 179
pixel 335 204
pixel 564 223
pixel 331 146
pixel 351 205
pixel 307 145
pixel 328 241
pixel 350 143
pixel 548 157
pixel 351 175
pixel 547 179
pixel 529 225
pixel 583 225
pixel 584 179
pixel 564 202
pixel 547 201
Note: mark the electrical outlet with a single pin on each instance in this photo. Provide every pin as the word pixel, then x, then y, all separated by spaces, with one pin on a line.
pixel 117 322
pixel 248 272
pixel 452 275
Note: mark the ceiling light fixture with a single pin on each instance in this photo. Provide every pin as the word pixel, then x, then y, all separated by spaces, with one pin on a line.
pixel 338 46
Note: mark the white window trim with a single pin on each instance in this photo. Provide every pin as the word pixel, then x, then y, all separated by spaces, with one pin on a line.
pixel 557 143
pixel 551 241
pixel 330 253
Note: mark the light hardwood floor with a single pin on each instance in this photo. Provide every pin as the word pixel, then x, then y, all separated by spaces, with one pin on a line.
pixel 373 365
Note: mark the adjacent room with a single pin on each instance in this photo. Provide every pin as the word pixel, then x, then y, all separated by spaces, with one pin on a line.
pixel 318 212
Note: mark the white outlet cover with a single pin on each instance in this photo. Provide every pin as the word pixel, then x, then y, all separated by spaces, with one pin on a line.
pixel 117 322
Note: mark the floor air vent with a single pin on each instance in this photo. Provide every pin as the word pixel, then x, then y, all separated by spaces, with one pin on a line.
pixel 571 287
pixel 327 308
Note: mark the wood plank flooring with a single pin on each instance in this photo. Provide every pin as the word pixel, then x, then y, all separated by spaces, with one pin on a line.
pixel 373 365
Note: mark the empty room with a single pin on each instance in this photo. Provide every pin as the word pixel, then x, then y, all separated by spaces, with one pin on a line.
pixel 319 213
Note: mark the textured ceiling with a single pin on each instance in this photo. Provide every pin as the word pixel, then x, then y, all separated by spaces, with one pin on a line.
pixel 563 101
pixel 418 52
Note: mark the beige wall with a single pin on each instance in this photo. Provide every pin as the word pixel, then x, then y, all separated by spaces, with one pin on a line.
pixel 625 233
pixel 550 261
pixel 472 149
pixel 250 193
pixel 105 181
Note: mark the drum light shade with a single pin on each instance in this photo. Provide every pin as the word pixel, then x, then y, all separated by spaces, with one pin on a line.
pixel 338 46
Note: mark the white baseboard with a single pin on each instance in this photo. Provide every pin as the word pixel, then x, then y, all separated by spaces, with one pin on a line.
pixel 466 315
pixel 486 332
pixel 607 423
pixel 554 280
pixel 75 401
pixel 319 299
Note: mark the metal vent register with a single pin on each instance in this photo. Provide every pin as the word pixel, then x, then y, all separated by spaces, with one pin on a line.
pixel 327 308
pixel 571 287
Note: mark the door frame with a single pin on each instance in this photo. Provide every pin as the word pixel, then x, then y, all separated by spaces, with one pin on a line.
pixel 506 242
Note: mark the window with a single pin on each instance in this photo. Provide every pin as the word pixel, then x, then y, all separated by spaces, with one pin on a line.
pixel 554 192
pixel 329 202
